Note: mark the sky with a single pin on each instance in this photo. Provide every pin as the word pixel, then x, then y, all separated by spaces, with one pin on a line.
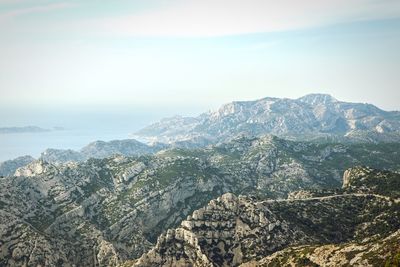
pixel 163 57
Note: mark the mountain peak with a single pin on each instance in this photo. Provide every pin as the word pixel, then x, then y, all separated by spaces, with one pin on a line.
pixel 34 168
pixel 315 99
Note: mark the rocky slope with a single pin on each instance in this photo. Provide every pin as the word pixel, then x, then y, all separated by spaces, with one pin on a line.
pixel 105 211
pixel 312 117
pixel 232 230
pixel 8 167
pixel 374 251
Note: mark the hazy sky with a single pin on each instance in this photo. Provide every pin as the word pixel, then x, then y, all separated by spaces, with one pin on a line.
pixel 188 56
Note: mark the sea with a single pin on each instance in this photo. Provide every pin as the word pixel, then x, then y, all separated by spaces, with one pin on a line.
pixel 79 128
pixel 19 144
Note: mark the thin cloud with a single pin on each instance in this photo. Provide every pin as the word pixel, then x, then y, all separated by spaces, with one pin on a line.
pixel 33 10
pixel 209 18
pixel 257 46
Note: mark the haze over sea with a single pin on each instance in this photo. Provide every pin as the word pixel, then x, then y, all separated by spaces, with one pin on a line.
pixel 80 128
pixel 18 144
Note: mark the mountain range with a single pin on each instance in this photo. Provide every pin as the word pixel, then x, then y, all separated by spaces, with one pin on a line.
pixel 314 117
pixel 311 117
pixel 109 211
pixel 274 182
pixel 96 149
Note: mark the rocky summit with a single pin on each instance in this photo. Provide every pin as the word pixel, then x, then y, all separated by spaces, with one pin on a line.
pixel 312 117
pixel 111 211
pixel 8 167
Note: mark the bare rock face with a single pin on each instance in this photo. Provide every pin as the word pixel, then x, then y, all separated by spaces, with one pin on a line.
pixel 10 166
pixel 107 255
pixel 302 194
pixel 34 168
pixel 132 172
pixel 354 174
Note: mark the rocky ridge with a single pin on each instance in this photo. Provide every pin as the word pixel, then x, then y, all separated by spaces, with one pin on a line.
pixel 97 149
pixel 101 149
pixel 8 167
pixel 312 117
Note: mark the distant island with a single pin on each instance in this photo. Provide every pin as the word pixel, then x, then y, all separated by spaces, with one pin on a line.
pixel 27 129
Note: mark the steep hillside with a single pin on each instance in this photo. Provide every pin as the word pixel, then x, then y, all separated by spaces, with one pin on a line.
pixel 233 230
pixel 374 251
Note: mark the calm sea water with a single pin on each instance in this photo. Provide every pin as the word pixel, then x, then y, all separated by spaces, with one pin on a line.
pixel 15 145
pixel 82 127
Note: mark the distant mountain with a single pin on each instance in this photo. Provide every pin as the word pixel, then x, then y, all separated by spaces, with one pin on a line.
pixel 312 117
pixel 97 149
pixel 101 149
pixel 127 147
pixel 28 129
pixel 61 155
pixel 24 129
pixel 8 167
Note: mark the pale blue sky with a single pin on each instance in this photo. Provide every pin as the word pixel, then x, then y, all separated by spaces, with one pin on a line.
pixel 183 56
